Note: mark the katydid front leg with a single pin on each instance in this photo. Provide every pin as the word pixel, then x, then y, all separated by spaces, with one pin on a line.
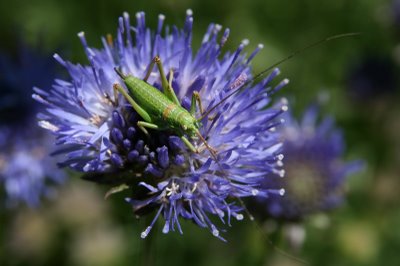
pixel 150 69
pixel 167 86
pixel 189 145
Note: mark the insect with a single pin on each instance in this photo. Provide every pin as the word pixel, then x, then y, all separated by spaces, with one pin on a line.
pixel 162 110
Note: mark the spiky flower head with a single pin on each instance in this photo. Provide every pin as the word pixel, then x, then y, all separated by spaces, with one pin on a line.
pixel 315 170
pixel 27 172
pixel 97 132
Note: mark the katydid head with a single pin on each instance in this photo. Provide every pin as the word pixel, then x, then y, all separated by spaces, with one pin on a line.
pixel 190 129
pixel 188 124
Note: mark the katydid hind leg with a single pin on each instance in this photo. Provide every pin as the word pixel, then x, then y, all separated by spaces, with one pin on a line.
pixel 171 77
pixel 167 88
pixel 150 69
pixel 135 105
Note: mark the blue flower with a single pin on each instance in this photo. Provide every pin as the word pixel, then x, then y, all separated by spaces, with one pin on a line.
pixel 26 171
pixel 315 172
pixel 97 132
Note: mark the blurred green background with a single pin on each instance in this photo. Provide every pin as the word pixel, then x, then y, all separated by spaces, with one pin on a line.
pixel 81 228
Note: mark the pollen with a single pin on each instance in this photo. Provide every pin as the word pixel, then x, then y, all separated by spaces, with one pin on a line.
pixel 96 120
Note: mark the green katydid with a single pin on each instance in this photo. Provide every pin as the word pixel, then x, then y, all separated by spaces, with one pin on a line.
pixel 162 110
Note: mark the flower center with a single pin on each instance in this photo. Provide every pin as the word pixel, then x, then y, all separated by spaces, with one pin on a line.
pixel 304 187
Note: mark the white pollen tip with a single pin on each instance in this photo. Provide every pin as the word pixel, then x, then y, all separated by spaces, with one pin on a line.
pixel 254 192
pixel 284 108
pixel 125 14
pixel 286 81
pixel 281 156
pixel 215 232
pixel 189 12
pixel 165 229
pixel 145 232
pixel 282 121
pixel 81 34
pixel 218 27
pixel 282 192
pixel 161 16
pixel 138 15
pixel 272 129
pixel 220 213
pixel 279 163
pixel 245 42
pixel 284 101
pixel 260 46
pixel 239 217
pixel 49 126
pixel 282 173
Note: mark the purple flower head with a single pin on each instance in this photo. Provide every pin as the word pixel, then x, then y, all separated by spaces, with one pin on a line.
pixel 97 132
pixel 26 170
pixel 315 173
